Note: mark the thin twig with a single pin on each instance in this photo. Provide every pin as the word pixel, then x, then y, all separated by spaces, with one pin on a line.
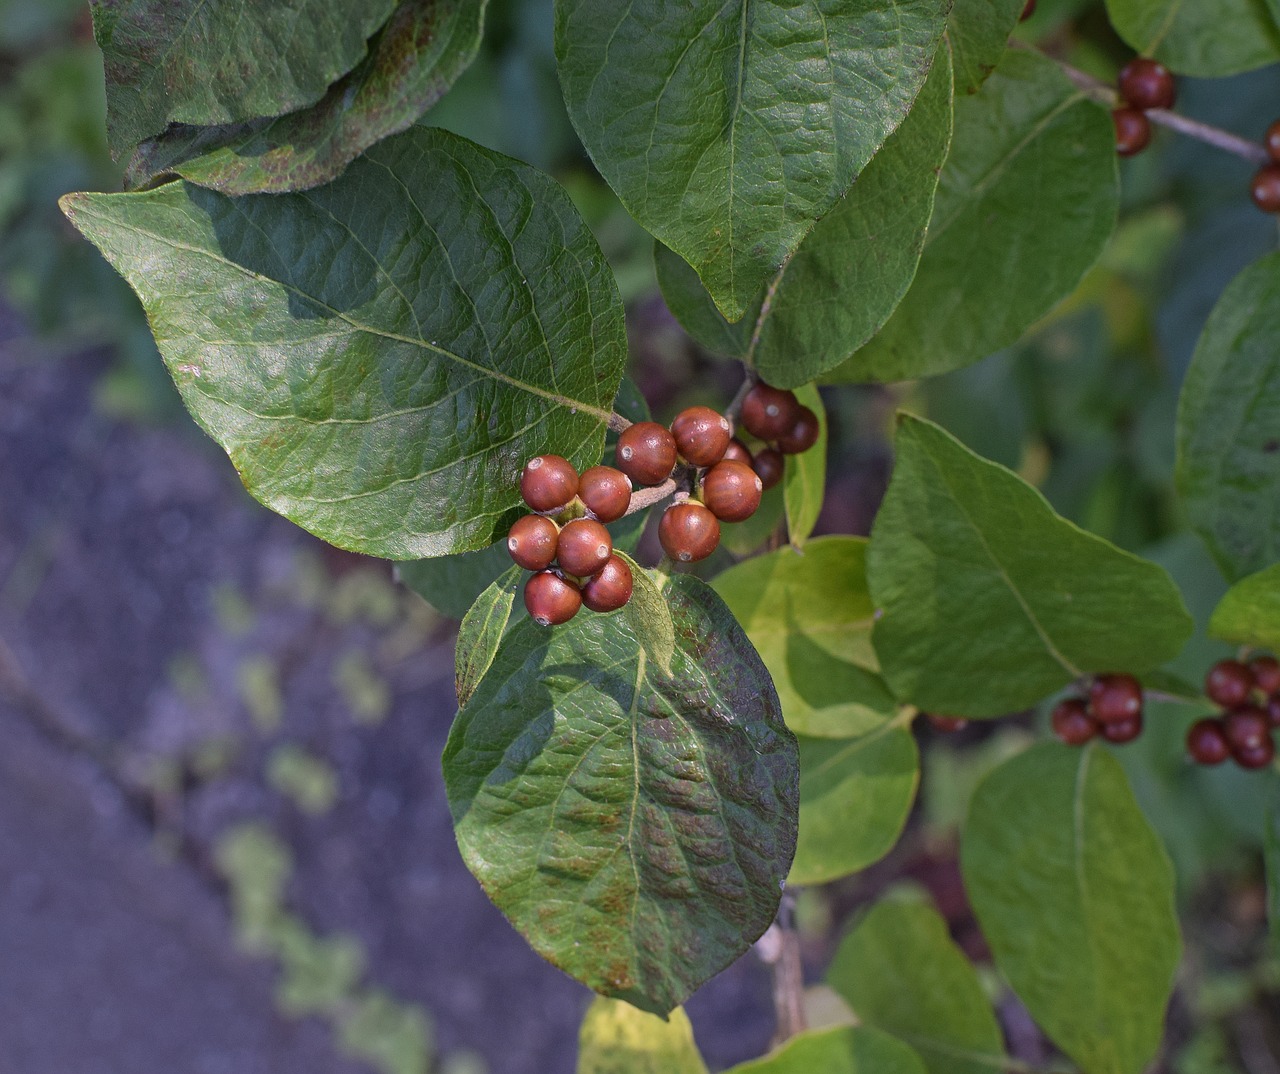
pixel 618 423
pixel 646 498
pixel 734 410
pixel 779 949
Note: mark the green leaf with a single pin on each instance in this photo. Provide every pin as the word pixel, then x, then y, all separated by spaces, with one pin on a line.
pixel 901 971
pixel 1025 205
pixel 379 356
pixel 412 62
pixel 979 34
pixel 1271 861
pixel 1207 40
pixel 617 1038
pixel 990 601
pixel 187 61
pixel 837 1051
pixel 855 796
pixel 481 632
pixel 805 483
pixel 634 827
pixel 1229 424
pixel 1249 614
pixel 651 616
pixel 728 129
pixel 851 270
pixel 1075 895
pixel 810 615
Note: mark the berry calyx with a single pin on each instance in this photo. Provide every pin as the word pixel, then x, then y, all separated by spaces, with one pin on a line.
pixel 1272 141
pixel 1229 683
pixel 548 482
pixel 646 453
pixel 770 465
pixel 737 451
pixel 1265 190
pixel 701 435
pixel 1115 698
pixel 1121 731
pixel 688 532
pixel 584 547
pixel 1258 756
pixel 1246 727
pixel 802 434
pixel 1072 723
pixel 732 491
pixel 1133 131
pixel 551 599
pixel 948 725
pixel 767 412
pixel 532 542
pixel 611 588
pixel 1266 673
pixel 606 492
pixel 1147 84
pixel 1206 742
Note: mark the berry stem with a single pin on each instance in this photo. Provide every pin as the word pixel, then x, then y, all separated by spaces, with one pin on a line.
pixel 734 410
pixel 618 423
pixel 646 498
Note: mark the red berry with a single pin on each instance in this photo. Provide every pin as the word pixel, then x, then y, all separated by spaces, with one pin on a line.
pixel 548 482
pixel 1072 723
pixel 1133 131
pixel 701 435
pixel 769 412
pixel 1121 731
pixel 1028 11
pixel 610 589
pixel 1206 742
pixel 737 451
pixel 1246 727
pixel 646 453
pixel 1266 673
pixel 584 548
pixel 1272 141
pixel 948 725
pixel 802 435
pixel 606 492
pixel 1273 710
pixel 770 465
pixel 1258 756
pixel 732 491
pixel 1229 683
pixel 688 532
pixel 532 542
pixel 1266 189
pixel 550 599
pixel 1148 84
pixel 1113 698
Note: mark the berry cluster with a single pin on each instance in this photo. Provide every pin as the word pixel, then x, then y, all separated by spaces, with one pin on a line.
pixel 1113 710
pixel 1266 184
pixel 1250 697
pixel 566 544
pixel 1144 84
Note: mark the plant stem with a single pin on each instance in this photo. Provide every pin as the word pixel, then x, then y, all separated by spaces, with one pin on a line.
pixel 779 949
pixel 646 498
pixel 750 379
pixel 618 423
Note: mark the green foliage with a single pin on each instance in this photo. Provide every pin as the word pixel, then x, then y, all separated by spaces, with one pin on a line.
pixel 978 31
pixel 308 780
pixel 837 1051
pixel 805 481
pixel 1222 38
pixel 617 1038
pixel 1249 614
pixel 481 632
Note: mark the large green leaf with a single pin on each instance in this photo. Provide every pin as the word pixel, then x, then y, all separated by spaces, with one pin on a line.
pixel 1025 205
pixel 989 600
pixel 411 63
pixel 188 61
pixel 1249 614
pixel 1197 38
pixel 851 270
pixel 1229 424
pixel 1271 861
pixel 979 34
pixel 809 615
pixel 481 632
pixel 837 1051
pixel 617 1038
pixel 379 356
pixel 804 485
pixel 855 795
pixel 901 971
pixel 1075 895
pixel 635 826
pixel 727 129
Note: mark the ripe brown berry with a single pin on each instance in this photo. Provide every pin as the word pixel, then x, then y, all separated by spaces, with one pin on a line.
pixel 1147 84
pixel 1272 141
pixel 1245 727
pixel 701 435
pixel 606 492
pixel 646 453
pixel 532 542
pixel 1273 710
pixel 1266 189
pixel 1113 698
pixel 548 482
pixel 551 599
pixel 1258 756
pixel 584 547
pixel 802 435
pixel 1133 131
pixel 768 412
pixel 610 589
pixel 1266 673
pixel 732 491
pixel 948 725
pixel 1072 723
pixel 688 532
pixel 737 451
pixel 770 465
pixel 1121 731
pixel 1206 742
pixel 1229 683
